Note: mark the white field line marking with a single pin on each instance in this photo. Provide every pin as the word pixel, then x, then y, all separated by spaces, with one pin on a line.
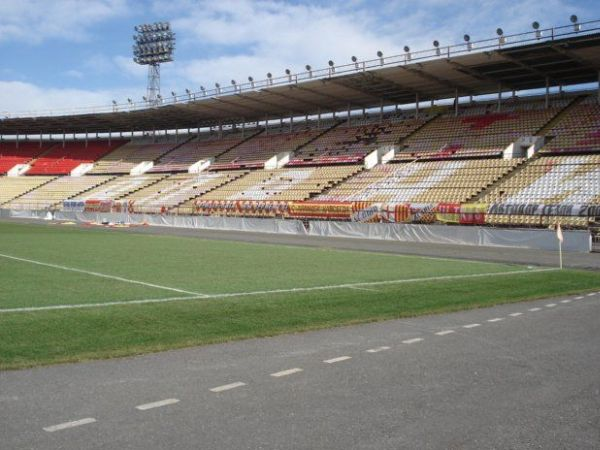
pixel 534 309
pixel 169 401
pixel 362 288
pixel 378 349
pixel 517 314
pixel 565 301
pixel 591 294
pixel 338 359
pixel 550 305
pixel 579 298
pixel 227 387
pixel 412 341
pixel 444 333
pixel 273 291
pixel 497 319
pixel 101 275
pixel 472 325
pixel 285 373
pixel 64 426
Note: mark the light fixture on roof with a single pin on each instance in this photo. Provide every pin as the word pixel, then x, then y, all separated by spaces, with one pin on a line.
pixel 129 101
pixel 380 56
pixel 203 90
pixel 331 66
pixel 218 86
pixel 407 56
pixel 501 37
pixel 536 26
pixel 288 72
pixel 189 93
pixel 467 39
pixel 355 61
pixel 145 99
pixel 173 94
pixel 269 78
pixel 438 51
pixel 114 103
pixel 234 84
pixel 251 80
pixel 576 25
pixel 309 70
pixel 153 44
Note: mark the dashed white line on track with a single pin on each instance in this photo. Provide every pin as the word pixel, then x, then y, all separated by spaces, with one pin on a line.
pixel 378 349
pixel 146 406
pixel 64 426
pixel 550 305
pixel 591 294
pixel 534 309
pixel 565 301
pixel 517 314
pixel 579 298
pixel 338 359
pixel 444 332
pixel 472 325
pixel 227 387
pixel 497 319
pixel 412 341
pixel 287 372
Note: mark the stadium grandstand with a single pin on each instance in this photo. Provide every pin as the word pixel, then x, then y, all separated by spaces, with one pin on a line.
pixel 500 133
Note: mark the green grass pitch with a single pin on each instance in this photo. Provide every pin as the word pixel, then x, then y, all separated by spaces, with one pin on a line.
pixel 56 284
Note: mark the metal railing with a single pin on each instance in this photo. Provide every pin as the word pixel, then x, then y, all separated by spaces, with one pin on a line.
pixel 496 43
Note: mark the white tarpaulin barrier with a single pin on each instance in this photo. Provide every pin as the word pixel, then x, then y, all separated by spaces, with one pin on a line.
pixel 542 239
pixel 201 222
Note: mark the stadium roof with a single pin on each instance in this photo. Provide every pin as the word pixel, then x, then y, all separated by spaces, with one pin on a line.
pixel 484 69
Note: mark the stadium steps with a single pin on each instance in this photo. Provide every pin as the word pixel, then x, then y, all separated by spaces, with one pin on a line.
pixel 217 156
pixel 325 131
pixel 177 145
pixel 343 180
pixel 559 116
pixel 88 189
pixel 482 193
pixel 194 197
pixel 52 178
pixel 144 186
pixel 423 127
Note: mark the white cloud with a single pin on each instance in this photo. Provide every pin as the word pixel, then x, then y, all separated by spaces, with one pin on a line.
pixel 19 97
pixel 33 21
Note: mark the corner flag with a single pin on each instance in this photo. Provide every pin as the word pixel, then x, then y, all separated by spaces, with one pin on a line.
pixel 559 234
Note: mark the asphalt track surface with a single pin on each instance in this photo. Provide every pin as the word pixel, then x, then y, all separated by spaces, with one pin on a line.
pixel 519 376
pixel 477 253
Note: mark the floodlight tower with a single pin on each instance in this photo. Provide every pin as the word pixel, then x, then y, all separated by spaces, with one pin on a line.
pixel 154 43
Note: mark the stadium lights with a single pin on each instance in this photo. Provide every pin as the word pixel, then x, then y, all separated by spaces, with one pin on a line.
pixel 354 60
pixel 406 53
pixel 189 93
pixel 501 37
pixel 251 80
pixel 380 56
pixel 130 101
pixel 218 86
pixel 536 26
pixel 269 78
pixel 436 44
pixel 331 67
pixel 288 72
pixel 467 39
pixel 203 90
pixel 576 25
pixel 153 44
pixel 309 70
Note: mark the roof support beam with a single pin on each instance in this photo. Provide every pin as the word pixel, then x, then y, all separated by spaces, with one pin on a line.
pixel 570 54
pixel 294 99
pixel 340 100
pixel 266 103
pixel 481 77
pixel 527 67
pixel 438 80
pixel 235 105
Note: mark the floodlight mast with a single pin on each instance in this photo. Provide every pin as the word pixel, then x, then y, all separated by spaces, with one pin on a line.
pixel 153 44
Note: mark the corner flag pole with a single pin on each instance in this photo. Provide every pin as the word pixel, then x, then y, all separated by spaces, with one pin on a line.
pixel 559 236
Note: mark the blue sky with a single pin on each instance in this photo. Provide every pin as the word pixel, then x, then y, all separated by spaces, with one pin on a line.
pixel 69 53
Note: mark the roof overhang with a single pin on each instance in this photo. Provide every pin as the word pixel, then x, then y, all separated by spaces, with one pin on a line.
pixel 568 61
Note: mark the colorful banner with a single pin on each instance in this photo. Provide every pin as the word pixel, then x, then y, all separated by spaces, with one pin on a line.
pixel 447 212
pixel 245 208
pixel 103 206
pixel 544 210
pixel 321 210
pixel 473 213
